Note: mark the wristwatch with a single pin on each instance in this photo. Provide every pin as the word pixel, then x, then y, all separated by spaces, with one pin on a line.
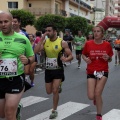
pixel 28 62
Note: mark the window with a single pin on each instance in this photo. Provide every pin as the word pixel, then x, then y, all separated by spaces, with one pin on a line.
pixel 30 5
pixel 12 4
pixel 56 8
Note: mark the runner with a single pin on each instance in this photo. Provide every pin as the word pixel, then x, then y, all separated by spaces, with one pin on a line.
pixel 13 48
pixel 69 39
pixel 79 41
pixel 97 53
pixel 16 27
pixel 117 50
pixel 54 73
pixel 90 36
pixel 32 65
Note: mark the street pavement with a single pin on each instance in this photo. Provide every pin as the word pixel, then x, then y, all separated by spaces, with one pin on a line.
pixel 73 104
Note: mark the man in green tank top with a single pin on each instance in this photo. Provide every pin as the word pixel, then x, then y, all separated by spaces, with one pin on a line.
pixel 54 73
pixel 15 52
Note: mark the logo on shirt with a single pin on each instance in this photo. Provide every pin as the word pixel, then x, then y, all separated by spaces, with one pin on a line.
pixel 15 90
pixel 56 46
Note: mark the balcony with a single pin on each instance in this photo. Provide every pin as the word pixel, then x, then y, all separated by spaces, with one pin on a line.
pixel 119 2
pixel 39 11
pixel 82 4
pixel 43 11
pixel 119 9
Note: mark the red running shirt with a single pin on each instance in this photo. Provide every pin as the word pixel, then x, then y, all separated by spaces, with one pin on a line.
pixel 95 52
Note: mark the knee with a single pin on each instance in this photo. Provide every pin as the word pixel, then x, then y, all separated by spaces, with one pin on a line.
pixel 9 113
pixel 91 97
pixel 55 91
pixel 77 57
pixel 97 94
pixel 48 92
pixel 27 73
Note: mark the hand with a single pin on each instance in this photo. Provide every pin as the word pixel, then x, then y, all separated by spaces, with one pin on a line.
pixel 106 57
pixel 23 59
pixel 87 60
pixel 64 59
pixel 43 37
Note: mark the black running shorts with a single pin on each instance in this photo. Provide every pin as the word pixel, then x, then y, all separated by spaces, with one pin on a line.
pixel 11 85
pixel 93 76
pixel 50 75
pixel 78 52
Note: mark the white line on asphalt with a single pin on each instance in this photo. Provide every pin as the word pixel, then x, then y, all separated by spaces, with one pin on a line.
pixel 27 101
pixel 114 114
pixel 64 111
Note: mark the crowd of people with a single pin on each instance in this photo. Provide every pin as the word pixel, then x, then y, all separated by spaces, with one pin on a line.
pixel 20 53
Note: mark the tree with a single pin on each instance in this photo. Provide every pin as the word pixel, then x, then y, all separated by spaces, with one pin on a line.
pixel 90 28
pixel 27 18
pixel 76 23
pixel 57 20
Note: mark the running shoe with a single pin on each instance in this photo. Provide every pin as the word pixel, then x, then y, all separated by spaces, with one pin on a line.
pixel 32 84
pixel 65 64
pixel 53 115
pixel 18 114
pixel 98 117
pixel 78 67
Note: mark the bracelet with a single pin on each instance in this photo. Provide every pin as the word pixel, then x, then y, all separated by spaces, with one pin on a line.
pixel 28 62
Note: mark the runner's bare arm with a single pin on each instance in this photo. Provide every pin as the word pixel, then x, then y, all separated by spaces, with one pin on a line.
pixel 26 60
pixel 67 52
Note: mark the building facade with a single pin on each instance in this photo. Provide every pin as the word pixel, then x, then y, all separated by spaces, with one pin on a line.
pixel 117 8
pixel 66 8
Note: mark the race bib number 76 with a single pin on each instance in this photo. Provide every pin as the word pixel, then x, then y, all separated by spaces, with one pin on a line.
pixel 8 66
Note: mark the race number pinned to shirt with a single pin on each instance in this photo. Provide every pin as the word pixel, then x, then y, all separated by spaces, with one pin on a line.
pixel 99 74
pixel 51 63
pixel 8 66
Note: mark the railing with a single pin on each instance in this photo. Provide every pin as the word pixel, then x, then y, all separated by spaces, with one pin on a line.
pixel 43 11
pixel 83 4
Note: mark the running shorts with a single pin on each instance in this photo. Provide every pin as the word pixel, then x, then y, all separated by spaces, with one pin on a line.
pixel 50 75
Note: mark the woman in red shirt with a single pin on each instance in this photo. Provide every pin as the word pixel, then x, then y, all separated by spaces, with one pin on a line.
pixel 97 53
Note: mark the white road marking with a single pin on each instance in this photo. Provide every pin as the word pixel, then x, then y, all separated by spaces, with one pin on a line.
pixel 27 101
pixel 64 111
pixel 114 114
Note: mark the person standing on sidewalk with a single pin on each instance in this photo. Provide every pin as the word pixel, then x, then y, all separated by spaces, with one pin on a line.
pixel 54 48
pixel 97 53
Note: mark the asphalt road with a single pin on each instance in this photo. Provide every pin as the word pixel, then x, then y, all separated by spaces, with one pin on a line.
pixel 74 92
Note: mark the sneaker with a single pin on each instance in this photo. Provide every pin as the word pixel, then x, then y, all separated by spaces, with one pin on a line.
pixel 38 69
pixel 60 88
pixel 78 67
pixel 65 64
pixel 53 115
pixel 32 84
pixel 18 115
pixel 98 117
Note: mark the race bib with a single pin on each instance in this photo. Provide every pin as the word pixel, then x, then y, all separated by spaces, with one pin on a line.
pixel 8 67
pixel 99 74
pixel 51 63
pixel 117 45
pixel 79 43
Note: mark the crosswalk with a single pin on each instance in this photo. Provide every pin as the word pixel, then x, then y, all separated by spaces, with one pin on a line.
pixel 65 110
